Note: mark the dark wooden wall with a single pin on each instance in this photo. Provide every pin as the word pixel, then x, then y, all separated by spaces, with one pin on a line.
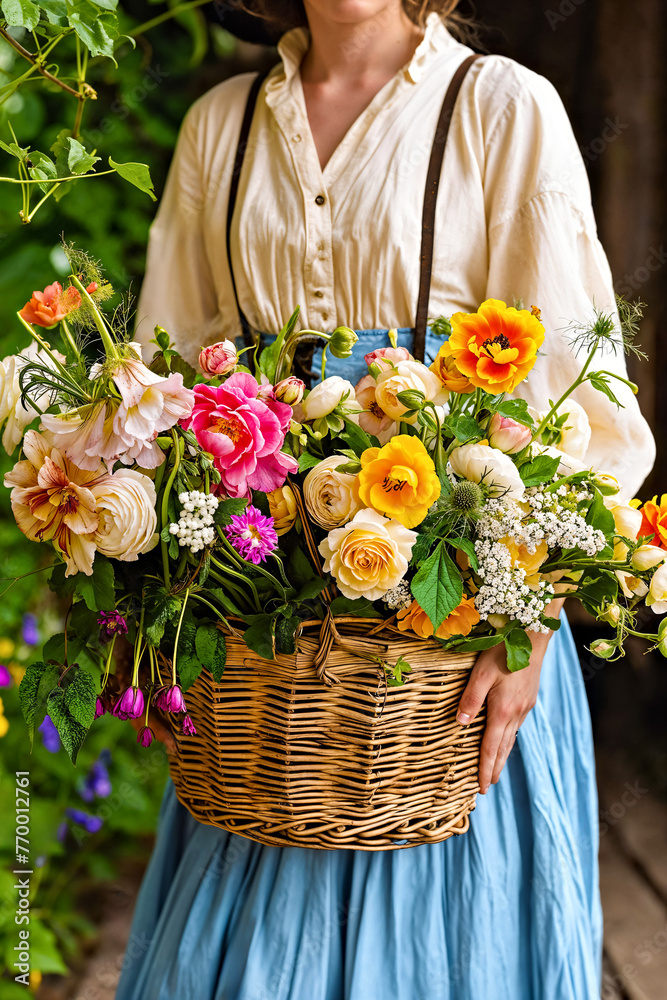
pixel 607 60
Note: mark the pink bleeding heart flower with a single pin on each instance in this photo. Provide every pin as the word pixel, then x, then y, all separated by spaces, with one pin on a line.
pixel 170 699
pixel 189 727
pixel 244 429
pixel 130 705
pixel 145 736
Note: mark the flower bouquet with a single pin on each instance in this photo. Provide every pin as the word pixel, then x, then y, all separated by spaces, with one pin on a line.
pixel 305 577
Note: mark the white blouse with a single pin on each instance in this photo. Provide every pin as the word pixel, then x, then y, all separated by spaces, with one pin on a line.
pixel 514 221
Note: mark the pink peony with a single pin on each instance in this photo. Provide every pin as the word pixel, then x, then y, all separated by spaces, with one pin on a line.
pixel 389 355
pixel 244 434
pixel 373 420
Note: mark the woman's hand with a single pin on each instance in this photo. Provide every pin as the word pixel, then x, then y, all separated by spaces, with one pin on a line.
pixel 509 698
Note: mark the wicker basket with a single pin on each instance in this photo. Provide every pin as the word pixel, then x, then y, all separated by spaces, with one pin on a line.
pixel 315 750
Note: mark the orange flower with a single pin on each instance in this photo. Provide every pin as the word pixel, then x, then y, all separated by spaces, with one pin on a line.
pixel 399 480
pixel 445 368
pixel 460 621
pixel 50 306
pixel 497 346
pixel 654 520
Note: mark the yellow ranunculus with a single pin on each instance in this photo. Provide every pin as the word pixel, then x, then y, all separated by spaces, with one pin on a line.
pixel 460 621
pixel 524 559
pixel 445 368
pixel 282 505
pixel 399 480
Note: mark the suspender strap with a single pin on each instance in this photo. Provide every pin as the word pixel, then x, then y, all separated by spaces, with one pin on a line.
pixel 430 199
pixel 234 187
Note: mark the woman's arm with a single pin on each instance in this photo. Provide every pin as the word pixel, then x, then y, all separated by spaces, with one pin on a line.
pixel 509 698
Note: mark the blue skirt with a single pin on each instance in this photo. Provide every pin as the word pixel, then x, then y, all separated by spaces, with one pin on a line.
pixel 510 910
pixel 507 911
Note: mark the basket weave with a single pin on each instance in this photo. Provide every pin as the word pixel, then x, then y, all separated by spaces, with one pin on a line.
pixel 314 750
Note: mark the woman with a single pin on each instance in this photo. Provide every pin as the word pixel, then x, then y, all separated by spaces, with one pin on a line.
pixel 329 216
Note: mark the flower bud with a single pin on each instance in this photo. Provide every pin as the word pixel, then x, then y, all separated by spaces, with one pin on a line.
pixel 411 398
pixel 130 705
pixel 290 390
pixel 342 341
pixel 508 435
pixel 188 726
pixel 282 507
pixel 218 359
pixel 611 614
pixel 607 485
pixel 145 736
pixel 603 648
pixel 647 556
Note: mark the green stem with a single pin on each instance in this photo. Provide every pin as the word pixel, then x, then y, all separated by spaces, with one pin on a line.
pixel 178 632
pixel 568 392
pixel 43 344
pixel 61 180
pixel 68 338
pixel 231 572
pixel 37 63
pixel 164 510
pixel 154 21
pixel 110 347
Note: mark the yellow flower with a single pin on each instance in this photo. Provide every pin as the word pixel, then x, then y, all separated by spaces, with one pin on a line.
pixel 6 648
pixel 460 621
pixel 399 480
pixel 445 368
pixel 17 671
pixel 282 505
pixel 369 556
pixel 524 559
pixel 495 347
pixel 4 724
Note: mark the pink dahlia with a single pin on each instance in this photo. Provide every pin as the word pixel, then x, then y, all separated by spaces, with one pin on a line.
pixel 252 535
pixel 244 434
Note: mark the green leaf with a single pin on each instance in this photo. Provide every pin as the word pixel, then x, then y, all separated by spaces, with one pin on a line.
pixel 541 470
pixel 44 952
pixel 56 10
pixel 553 623
pixel 72 710
pixel 307 461
pixel 465 428
pixel 437 586
pixel 311 589
pixel 599 516
pixel 137 174
pixel 60 584
pixel 20 13
pixel 516 409
pixel 98 32
pixel 600 381
pixel 188 664
pixel 162 338
pixel 356 437
pixel 43 169
pixel 360 607
pixel 466 545
pixel 33 694
pixel 78 160
pixel 160 608
pixel 268 360
pixel 519 649
pixel 227 509
pixel 98 590
pixel 259 636
pixel 176 364
pixel 286 628
pixel 423 545
pixel 211 649
pixel 477 644
pixel 85 624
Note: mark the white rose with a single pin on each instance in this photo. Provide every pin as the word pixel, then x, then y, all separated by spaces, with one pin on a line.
pixel 492 468
pixel 125 505
pixel 325 397
pixel 369 556
pixel 407 375
pixel 576 432
pixel 331 496
pixel 657 598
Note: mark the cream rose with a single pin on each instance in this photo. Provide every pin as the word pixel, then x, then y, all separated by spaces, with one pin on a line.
pixel 331 496
pixel 657 598
pixel 628 521
pixel 125 505
pixel 369 556
pixel 282 505
pixel 492 468
pixel 325 397
pixel 407 375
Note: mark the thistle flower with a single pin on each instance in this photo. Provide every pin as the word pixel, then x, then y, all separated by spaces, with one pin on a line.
pixel 130 705
pixel 111 623
pixel 252 535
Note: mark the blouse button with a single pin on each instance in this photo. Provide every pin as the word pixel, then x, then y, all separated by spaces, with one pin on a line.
pixel 296 138
pixel 320 199
pixel 319 295
pixel 325 315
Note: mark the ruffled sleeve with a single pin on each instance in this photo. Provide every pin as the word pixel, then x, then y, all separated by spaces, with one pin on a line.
pixel 544 250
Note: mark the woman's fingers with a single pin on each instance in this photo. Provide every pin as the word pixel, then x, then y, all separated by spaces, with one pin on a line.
pixel 504 750
pixel 491 741
pixel 474 696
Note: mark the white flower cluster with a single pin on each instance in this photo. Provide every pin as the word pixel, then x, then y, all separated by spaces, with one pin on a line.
pixel 195 527
pixel 398 597
pixel 506 592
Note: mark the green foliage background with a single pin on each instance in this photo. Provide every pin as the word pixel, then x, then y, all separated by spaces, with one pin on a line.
pixel 140 104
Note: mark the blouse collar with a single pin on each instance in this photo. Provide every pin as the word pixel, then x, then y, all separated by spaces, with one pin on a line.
pixel 294 43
